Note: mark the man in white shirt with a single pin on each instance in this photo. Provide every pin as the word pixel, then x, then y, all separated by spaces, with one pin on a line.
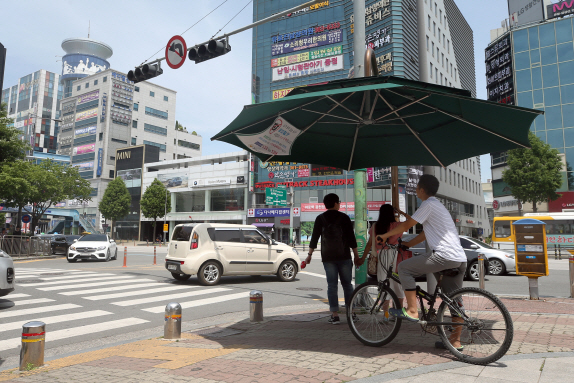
pixel 447 253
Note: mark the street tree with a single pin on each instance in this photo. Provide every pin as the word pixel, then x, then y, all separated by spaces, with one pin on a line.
pixel 11 147
pixel 156 202
pixel 533 174
pixel 116 202
pixel 307 229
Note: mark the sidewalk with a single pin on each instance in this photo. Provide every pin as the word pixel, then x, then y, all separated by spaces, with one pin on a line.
pixel 302 347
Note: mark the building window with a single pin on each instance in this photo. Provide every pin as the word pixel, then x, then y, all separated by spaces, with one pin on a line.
pixel 111 174
pixel 434 28
pixel 451 69
pixel 134 124
pixel 447 46
pixel 112 158
pixel 435 10
pixel 165 98
pixel 441 78
pixel 151 94
pixel 454 74
pixel 136 106
pixel 87 85
pixel 95 82
pixel 436 75
pixel 432 49
pixel 440 15
pixel 427 43
pixel 440 172
pixel 189 145
pixel 499 158
pixel 133 140
pixel 101 136
pixel 119 141
pixel 439 35
pixel 437 54
pixel 447 65
pixel 155 129
pixel 105 78
pixel 430 70
pixel 227 199
pixel 79 88
pixel 430 5
pixel 442 58
pixel 137 88
pixel 155 113
pixel 160 146
pixel 449 176
pixel 429 22
pixel 445 21
pixel 443 40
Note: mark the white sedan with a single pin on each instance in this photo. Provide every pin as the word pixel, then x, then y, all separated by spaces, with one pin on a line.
pixel 93 246
pixel 6 274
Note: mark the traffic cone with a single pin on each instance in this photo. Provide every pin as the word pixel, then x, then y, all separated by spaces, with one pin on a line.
pixel 125 256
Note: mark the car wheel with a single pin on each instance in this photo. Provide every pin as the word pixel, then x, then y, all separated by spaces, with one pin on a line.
pixel 108 256
pixel 472 271
pixel 181 277
pixel 287 271
pixel 496 267
pixel 116 255
pixel 72 260
pixel 54 251
pixel 209 274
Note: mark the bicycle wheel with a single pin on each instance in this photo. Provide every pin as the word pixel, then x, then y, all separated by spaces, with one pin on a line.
pixel 371 324
pixel 488 331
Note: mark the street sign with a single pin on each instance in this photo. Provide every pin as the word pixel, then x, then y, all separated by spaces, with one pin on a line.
pixel 175 52
pixel 296 212
pixel 26 218
pixel 165 228
pixel 105 226
pixel 276 196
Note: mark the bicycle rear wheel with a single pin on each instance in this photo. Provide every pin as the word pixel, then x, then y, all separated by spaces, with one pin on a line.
pixel 372 325
pixel 488 331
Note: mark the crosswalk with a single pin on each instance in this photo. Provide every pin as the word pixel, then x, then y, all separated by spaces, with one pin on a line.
pixel 60 298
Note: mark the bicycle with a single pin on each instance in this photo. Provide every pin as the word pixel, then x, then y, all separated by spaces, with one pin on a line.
pixel 487 328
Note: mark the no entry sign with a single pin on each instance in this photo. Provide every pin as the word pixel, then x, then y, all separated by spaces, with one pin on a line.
pixel 175 52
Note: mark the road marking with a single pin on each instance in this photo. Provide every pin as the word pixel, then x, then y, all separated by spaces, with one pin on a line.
pixel 43 271
pixel 313 274
pixel 168 297
pixel 37 310
pixel 92 284
pixel 75 275
pixel 8 303
pixel 201 302
pixel 139 292
pixel 139 284
pixel 12 296
pixel 56 319
pixel 77 331
pixel 72 281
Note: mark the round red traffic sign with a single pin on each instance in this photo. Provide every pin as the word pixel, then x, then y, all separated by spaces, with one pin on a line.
pixel 495 205
pixel 26 218
pixel 175 52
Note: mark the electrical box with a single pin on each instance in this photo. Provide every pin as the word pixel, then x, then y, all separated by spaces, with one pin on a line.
pixel 530 247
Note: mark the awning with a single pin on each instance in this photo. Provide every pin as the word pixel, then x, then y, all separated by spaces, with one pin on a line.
pixel 263 224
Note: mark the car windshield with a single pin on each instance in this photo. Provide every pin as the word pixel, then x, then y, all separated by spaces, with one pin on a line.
pixel 94 238
pixel 481 244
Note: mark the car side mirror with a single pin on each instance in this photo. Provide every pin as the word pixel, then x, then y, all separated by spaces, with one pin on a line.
pixel 474 247
pixel 112 241
pixel 75 240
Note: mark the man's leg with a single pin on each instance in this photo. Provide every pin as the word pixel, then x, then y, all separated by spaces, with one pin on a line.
pixel 448 285
pixel 332 272
pixel 346 276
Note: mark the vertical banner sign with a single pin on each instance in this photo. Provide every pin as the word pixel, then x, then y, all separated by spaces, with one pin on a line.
pixel 104 105
pixel 370 175
pixel 414 174
pixel 360 186
pixel 100 160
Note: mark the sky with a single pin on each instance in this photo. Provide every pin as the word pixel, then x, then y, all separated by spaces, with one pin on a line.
pixel 210 94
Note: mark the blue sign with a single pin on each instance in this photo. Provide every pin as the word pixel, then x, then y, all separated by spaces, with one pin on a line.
pixel 331 37
pixel 26 218
pixel 100 160
pixel 81 65
pixel 271 213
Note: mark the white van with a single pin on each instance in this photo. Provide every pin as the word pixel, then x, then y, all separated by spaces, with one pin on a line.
pixel 213 250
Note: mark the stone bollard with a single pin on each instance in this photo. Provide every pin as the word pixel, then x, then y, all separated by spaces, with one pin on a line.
pixel 256 306
pixel 33 341
pixel 571 269
pixel 172 326
pixel 481 271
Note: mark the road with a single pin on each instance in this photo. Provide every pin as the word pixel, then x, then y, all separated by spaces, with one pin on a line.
pixel 84 303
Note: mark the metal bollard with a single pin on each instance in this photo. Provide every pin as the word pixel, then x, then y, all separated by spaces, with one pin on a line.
pixel 555 253
pixel 33 341
pixel 256 306
pixel 571 267
pixel 559 253
pixel 481 271
pixel 533 288
pixel 172 326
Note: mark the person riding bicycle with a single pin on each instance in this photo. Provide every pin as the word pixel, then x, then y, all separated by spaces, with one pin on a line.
pixel 446 252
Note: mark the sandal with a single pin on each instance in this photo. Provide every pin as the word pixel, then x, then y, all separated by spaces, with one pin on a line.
pixel 402 314
pixel 440 345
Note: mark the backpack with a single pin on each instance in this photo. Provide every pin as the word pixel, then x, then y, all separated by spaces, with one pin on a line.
pixel 332 241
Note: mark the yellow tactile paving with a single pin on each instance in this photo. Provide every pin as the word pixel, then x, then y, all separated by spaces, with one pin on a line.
pixel 159 349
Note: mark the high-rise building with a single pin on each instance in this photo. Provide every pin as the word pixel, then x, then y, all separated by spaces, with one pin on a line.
pixel 426 40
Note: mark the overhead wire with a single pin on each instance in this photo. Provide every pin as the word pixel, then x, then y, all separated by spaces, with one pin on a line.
pixel 215 34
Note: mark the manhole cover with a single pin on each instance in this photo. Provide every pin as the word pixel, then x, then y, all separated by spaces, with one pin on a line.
pixel 309 288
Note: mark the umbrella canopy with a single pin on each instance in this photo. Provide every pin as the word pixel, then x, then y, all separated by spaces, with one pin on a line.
pixel 378 121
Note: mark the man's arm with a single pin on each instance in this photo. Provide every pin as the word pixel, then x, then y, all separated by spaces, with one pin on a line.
pixel 317 230
pixel 352 241
pixel 404 226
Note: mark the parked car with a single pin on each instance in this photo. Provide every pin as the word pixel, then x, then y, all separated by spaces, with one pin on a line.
pixel 499 262
pixel 61 243
pixel 6 274
pixel 471 257
pixel 211 251
pixel 93 246
pixel 176 181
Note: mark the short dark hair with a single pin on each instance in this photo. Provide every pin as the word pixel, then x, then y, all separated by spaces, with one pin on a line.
pixel 330 200
pixel 429 184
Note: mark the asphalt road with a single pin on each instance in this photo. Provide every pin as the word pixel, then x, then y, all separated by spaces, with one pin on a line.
pixel 85 302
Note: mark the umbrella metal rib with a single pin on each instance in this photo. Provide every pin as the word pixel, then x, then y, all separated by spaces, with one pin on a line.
pixel 401 107
pixel 374 104
pixel 330 115
pixel 353 148
pixel 344 107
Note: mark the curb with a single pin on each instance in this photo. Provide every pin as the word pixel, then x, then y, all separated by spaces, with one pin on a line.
pixel 52 256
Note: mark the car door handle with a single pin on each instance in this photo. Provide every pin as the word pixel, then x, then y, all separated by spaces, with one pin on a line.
pixel 218 248
pixel 279 251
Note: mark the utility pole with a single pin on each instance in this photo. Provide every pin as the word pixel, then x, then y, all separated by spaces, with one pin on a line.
pixel 2 65
pixel 164 215
pixel 291 206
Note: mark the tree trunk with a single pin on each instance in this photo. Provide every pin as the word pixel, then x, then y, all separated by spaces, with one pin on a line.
pixel 112 230
pixel 534 208
pixel 154 227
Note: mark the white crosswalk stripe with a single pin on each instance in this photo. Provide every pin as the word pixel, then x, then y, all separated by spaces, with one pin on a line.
pixel 140 292
pixel 201 302
pixel 72 281
pixel 160 298
pixel 76 275
pixel 56 319
pixel 76 331
pixel 37 310
pixel 8 303
pixel 12 296
pixel 138 284
pixel 92 284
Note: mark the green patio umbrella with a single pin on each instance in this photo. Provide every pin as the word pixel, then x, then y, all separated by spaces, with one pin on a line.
pixel 378 121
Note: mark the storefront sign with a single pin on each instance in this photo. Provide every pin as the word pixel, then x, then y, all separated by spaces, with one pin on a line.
pixel 307 9
pixel 565 201
pixel 89 148
pixel 306 56
pixel 210 182
pixel 374 13
pixel 349 206
pixel 414 174
pixel 496 204
pixel 305 184
pixel 320 170
pixel 100 160
pixel 68 108
pixel 498 60
pixel 280 93
pixel 88 97
pixel 104 107
pixel 276 140
pixel 563 8
pixel 305 32
pixel 378 38
pixel 67 122
pixel 86 114
pixel 327 38
pixel 308 68
pixel 279 212
pixel 88 131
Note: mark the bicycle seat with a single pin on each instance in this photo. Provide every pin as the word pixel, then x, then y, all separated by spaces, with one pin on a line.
pixel 450 272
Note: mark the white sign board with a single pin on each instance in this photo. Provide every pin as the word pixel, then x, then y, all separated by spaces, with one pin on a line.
pixel 276 140
pixel 210 182
pixel 308 68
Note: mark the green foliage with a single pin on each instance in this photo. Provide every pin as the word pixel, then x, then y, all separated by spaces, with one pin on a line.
pixel 533 174
pixel 11 147
pixel 307 229
pixel 194 133
pixel 116 202
pixel 2 219
pixel 570 175
pixel 154 202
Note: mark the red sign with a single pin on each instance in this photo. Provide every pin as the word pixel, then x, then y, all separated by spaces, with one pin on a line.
pixel 175 52
pixel 372 206
pixel 285 221
pixel 495 205
pixel 304 184
pixel 566 201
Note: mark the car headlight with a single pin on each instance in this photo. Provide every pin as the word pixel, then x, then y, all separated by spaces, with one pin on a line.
pixel 102 247
pixel 3 254
pixel 295 251
pixel 72 247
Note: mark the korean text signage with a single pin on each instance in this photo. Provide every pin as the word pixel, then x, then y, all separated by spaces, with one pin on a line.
pixel 100 161
pixel 320 170
pixel 566 201
pixel 68 108
pixel 85 166
pixel 378 38
pixel 514 203
pixel 280 93
pixel 306 184
pixel 279 212
pixel 560 9
pixel 499 83
pixel 275 140
pixel 349 206
pixel 88 97
pixel 306 56
pixel 374 13
pixel 84 149
pixel 276 196
pixel 67 122
pixel 87 114
pixel 304 32
pixel 327 38
pixel 414 174
pixel 104 105
pixel 528 11
pixel 88 131
pixel 308 68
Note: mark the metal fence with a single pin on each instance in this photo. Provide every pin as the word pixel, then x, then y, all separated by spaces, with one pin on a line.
pixel 23 246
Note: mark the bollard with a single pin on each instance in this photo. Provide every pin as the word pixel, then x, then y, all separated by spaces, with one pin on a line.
pixel 256 306
pixel 559 253
pixel 172 326
pixel 125 256
pixel 533 288
pixel 134 242
pixel 154 256
pixel 555 253
pixel 571 268
pixel 481 271
pixel 33 340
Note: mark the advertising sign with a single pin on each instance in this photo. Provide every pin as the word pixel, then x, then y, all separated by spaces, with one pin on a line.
pixel 84 132
pixel 86 65
pixel 327 38
pixel 85 166
pixel 306 184
pixel 280 93
pixel 308 68
pixel 414 174
pixel 560 9
pixel 378 38
pixel 86 114
pixel 68 108
pixel 89 148
pixel 306 56
pixel 285 170
pixel 320 170
pixel 177 180
pixel 276 140
pixel 370 175
pixel 88 97
pixel 565 201
pixel 100 160
pixel 132 177
pixel 67 122
pixel 528 11
pixel 278 212
pixel 304 32
pixel 499 83
pixel 104 106
pixel 210 182
pixel 349 206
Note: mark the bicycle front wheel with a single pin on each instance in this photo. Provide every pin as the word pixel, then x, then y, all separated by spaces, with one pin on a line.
pixel 367 319
pixel 487 331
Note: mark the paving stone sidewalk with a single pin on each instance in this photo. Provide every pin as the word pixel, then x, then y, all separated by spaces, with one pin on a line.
pixel 302 347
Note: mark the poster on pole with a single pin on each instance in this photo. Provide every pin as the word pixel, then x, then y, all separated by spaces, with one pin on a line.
pixel 414 173
pixel 276 140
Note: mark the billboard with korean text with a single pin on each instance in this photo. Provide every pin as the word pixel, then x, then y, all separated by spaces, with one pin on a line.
pixel 308 68
pixel 83 149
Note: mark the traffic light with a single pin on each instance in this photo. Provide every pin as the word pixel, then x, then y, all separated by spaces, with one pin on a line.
pixel 145 72
pixel 212 49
